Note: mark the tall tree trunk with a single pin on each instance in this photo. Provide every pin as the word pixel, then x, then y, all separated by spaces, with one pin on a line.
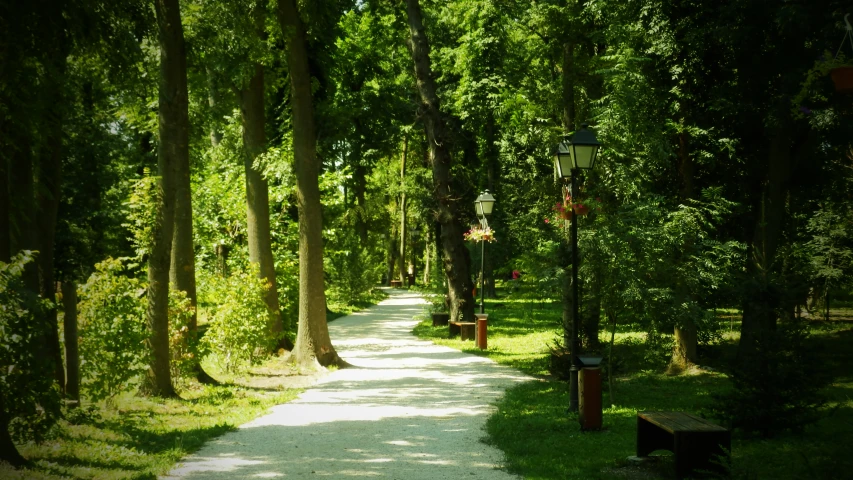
pixel 48 190
pixel 72 356
pixel 313 345
pixel 402 257
pixel 359 191
pixel 215 134
pixel 173 148
pixel 492 173
pixel 48 203
pixel 568 86
pixel 684 351
pixel 257 197
pixel 592 312
pixel 6 64
pixel 8 450
pixel 428 240
pixel 391 247
pixel 455 254
pixel 24 234
pixel 760 304
pixel 5 211
pixel 182 268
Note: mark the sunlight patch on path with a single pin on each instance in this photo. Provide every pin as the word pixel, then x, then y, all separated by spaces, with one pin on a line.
pixel 408 410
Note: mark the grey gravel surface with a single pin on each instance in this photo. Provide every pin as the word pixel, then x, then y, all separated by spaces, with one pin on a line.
pixel 409 410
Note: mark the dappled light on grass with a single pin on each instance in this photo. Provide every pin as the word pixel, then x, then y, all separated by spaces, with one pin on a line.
pixel 556 449
pixel 141 437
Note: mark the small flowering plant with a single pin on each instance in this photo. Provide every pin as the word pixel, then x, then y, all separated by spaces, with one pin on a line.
pixel 479 234
pixel 580 207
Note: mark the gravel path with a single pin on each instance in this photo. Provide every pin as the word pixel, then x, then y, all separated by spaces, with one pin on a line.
pixel 410 410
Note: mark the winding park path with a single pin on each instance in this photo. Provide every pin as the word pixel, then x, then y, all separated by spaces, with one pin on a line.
pixel 409 410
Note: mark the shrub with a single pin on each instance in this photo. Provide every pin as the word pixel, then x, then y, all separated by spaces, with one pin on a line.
pixel 113 333
pixel 238 333
pixel 353 273
pixel 780 389
pixel 183 347
pixel 27 391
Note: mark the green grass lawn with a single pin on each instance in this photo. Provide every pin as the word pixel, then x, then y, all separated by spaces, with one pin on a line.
pixel 542 441
pixel 141 438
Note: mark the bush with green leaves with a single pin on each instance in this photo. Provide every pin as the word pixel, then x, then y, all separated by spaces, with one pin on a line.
pixel 353 272
pixel 184 349
pixel 780 388
pixel 28 395
pixel 238 332
pixel 113 332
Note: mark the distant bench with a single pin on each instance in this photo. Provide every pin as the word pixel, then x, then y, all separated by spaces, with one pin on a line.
pixel 396 283
pixel 693 440
pixel 465 328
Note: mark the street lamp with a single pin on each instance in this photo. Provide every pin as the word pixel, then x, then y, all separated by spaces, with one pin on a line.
pixel 484 204
pixel 577 151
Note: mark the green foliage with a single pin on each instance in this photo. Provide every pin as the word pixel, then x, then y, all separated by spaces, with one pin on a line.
pixel 219 200
pixel 831 245
pixel 352 274
pixel 142 213
pixel 29 395
pixel 183 346
pixel 780 388
pixel 238 328
pixel 113 332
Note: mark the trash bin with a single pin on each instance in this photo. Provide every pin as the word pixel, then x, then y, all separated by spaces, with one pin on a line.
pixel 482 333
pixel 589 393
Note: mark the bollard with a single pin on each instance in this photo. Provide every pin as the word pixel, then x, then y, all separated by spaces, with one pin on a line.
pixel 589 393
pixel 482 330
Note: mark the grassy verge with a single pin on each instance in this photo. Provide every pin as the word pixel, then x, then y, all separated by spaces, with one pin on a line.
pixel 542 441
pixel 141 438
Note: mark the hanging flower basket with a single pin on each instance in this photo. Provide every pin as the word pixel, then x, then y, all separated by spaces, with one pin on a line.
pixel 842 77
pixel 565 214
pixel 480 234
pixel 580 209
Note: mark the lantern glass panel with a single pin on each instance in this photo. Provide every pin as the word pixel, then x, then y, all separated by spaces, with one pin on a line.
pixel 584 155
pixel 563 160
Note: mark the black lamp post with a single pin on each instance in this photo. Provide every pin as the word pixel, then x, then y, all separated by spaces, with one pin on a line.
pixel 484 205
pixel 575 152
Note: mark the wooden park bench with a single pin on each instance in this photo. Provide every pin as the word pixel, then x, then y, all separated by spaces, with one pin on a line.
pixel 396 283
pixel 694 441
pixel 464 328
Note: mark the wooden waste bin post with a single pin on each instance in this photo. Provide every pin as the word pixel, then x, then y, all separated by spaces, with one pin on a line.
pixel 589 393
pixel 482 330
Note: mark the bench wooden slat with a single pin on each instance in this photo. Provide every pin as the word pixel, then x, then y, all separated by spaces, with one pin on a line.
pixel 465 329
pixel 693 440
pixel 674 422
